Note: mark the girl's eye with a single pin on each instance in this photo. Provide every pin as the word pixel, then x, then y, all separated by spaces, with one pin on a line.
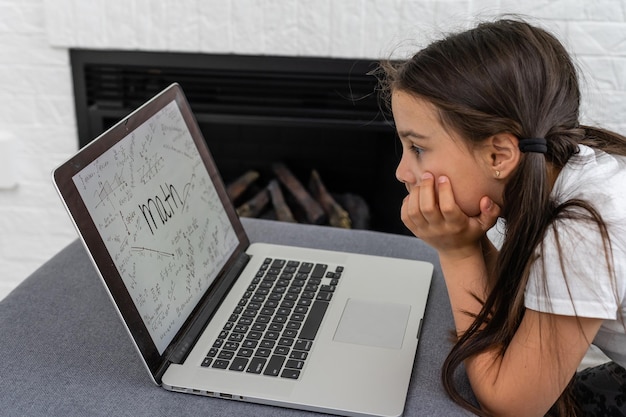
pixel 416 150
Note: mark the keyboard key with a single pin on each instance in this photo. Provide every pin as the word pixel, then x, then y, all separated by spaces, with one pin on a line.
pixel 298 355
pixel 294 364
pixel 268 344
pixel 259 327
pixel 293 325
pixel 275 327
pixel 263 352
pixel 231 346
pixel 255 335
pixel 250 344
pixel 239 364
pixel 279 319
pixel 285 341
pixel 256 365
pixel 282 350
pixel 273 271
pixel 206 362
pixel 278 263
pixel 235 337
pixel 245 321
pixel 267 311
pixel 220 364
pixel 226 354
pixel 275 296
pixel 272 335
pixel 283 311
pixel 319 270
pixel 245 353
pixel 313 321
pixel 274 365
pixel 290 333
pixel 327 288
pixel 290 373
pixel 263 319
pixel 324 296
pixel 240 328
pixel 254 305
pixel 303 345
pixel 305 267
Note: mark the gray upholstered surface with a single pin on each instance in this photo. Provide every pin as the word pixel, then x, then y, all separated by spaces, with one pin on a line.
pixel 65 352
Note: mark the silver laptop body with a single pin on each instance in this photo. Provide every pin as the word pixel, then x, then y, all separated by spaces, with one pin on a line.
pixel 210 313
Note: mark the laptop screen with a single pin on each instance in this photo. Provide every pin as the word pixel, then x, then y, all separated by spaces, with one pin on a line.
pixel 151 208
pixel 148 196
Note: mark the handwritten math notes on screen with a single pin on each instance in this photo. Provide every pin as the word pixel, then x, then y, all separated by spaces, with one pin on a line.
pixel 157 210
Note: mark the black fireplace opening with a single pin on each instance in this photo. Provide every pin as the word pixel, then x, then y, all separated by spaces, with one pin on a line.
pixel 307 113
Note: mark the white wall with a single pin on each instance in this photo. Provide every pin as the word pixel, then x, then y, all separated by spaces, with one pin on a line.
pixel 36 105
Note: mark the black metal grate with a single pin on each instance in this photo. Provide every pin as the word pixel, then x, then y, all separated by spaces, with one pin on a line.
pixel 313 88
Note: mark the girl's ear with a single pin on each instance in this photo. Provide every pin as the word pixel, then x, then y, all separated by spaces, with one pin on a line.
pixel 503 154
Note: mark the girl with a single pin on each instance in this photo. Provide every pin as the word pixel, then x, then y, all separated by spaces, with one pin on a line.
pixel 488 121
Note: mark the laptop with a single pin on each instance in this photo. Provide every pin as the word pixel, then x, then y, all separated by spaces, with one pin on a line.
pixel 214 315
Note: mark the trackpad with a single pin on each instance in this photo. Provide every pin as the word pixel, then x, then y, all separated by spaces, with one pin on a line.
pixel 373 323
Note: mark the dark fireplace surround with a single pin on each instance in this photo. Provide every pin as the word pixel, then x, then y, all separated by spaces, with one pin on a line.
pixel 309 113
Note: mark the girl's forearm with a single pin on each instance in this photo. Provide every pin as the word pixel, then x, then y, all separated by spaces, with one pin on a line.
pixel 467 283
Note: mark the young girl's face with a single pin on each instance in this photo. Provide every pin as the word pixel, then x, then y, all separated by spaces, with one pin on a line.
pixel 429 147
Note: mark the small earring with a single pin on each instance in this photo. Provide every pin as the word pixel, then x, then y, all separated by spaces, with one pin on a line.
pixel 497 174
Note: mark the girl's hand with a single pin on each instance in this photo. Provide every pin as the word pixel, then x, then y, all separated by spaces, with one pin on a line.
pixel 435 217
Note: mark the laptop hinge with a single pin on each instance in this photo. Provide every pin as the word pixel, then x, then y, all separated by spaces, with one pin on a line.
pixel 209 306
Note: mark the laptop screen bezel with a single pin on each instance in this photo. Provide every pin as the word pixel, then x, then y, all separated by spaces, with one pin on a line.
pixel 62 176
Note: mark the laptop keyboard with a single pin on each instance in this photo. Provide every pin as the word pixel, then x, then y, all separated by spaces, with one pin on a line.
pixel 273 328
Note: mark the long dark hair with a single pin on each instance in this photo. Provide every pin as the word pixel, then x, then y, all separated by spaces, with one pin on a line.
pixel 508 76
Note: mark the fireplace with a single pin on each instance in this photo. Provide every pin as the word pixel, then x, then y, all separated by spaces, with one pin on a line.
pixel 255 111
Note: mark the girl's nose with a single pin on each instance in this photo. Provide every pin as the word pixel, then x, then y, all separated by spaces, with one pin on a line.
pixel 404 173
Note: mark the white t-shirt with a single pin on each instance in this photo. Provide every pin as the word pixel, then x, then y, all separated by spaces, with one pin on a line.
pixel 580 283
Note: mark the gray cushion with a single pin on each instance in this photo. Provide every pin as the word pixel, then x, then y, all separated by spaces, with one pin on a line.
pixel 65 352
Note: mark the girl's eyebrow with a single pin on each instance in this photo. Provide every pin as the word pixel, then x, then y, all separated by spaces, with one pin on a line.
pixel 411 134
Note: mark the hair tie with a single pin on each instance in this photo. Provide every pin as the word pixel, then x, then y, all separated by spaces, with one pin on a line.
pixel 538 145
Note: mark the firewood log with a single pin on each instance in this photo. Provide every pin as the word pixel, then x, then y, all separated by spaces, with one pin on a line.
pixel 337 216
pixel 358 209
pixel 313 211
pixel 236 188
pixel 254 206
pixel 283 212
